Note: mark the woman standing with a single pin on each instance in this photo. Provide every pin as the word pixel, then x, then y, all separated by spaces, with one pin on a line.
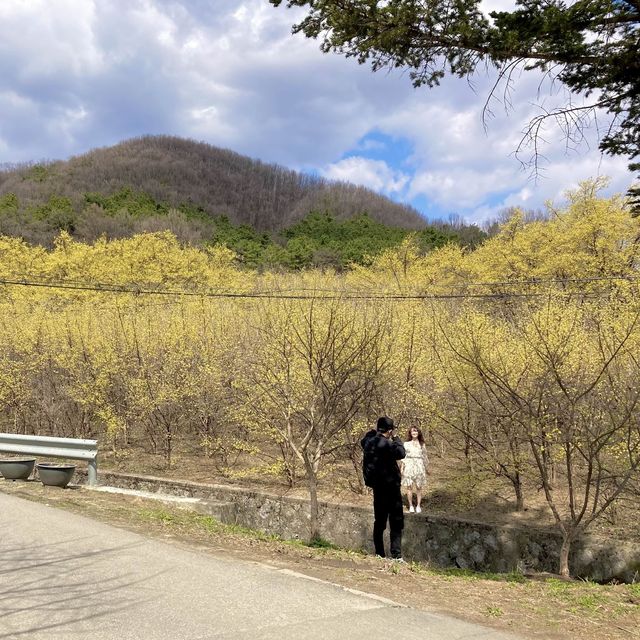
pixel 415 467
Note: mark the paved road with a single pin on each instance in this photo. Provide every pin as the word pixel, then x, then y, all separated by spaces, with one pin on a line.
pixel 65 576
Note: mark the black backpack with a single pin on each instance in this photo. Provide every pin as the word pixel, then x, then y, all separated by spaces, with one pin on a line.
pixel 369 465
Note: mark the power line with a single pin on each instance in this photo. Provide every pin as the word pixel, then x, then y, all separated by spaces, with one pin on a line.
pixel 495 283
pixel 286 294
pixel 546 281
pixel 30 278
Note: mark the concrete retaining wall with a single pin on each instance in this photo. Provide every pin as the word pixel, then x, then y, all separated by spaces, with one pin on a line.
pixel 444 542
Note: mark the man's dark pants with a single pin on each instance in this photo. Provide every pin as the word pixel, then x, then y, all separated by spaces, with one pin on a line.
pixel 387 505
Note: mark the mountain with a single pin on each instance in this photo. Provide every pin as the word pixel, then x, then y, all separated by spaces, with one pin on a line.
pixel 216 181
pixel 268 215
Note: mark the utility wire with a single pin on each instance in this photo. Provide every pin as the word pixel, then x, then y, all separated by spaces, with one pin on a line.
pixel 286 294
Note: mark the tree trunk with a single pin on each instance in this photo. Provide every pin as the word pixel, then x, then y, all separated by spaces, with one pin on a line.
pixel 312 483
pixel 168 446
pixel 517 485
pixel 289 461
pixel 467 453
pixel 564 555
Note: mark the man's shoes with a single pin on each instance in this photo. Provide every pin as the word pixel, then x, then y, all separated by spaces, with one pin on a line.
pixel 418 509
pixel 411 509
pixel 399 560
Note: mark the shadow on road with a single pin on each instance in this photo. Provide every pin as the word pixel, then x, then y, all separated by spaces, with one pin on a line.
pixel 52 587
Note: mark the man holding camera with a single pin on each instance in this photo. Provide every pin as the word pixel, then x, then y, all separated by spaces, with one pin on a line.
pixel 382 450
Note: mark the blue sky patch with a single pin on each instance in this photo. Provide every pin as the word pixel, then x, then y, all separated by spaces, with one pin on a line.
pixel 395 151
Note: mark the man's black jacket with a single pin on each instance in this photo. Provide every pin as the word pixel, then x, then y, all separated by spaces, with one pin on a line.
pixel 380 463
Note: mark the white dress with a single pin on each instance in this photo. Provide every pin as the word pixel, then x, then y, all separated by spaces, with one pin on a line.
pixel 415 464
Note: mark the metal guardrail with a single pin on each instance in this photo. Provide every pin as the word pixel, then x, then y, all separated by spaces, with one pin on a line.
pixel 71 448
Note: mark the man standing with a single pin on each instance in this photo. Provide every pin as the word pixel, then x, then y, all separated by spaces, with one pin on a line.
pixel 382 450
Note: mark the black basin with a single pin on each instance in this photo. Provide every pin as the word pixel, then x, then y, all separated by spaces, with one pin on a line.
pixel 18 469
pixel 55 475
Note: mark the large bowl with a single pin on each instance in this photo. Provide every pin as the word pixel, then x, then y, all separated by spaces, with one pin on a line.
pixel 16 469
pixel 55 475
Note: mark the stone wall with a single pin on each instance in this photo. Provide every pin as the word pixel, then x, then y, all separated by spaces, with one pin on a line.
pixel 444 542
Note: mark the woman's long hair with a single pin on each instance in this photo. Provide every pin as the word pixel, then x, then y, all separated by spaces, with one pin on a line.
pixel 420 436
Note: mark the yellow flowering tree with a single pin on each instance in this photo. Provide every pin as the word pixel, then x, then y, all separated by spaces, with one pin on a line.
pixel 315 364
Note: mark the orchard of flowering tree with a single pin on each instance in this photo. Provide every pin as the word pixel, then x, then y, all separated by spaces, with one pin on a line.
pixel 522 355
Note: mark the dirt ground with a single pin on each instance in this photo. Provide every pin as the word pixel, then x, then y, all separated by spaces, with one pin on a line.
pixel 535 606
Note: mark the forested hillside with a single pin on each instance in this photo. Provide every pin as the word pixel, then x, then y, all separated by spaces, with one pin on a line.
pixel 220 182
pixel 269 216
pixel 319 239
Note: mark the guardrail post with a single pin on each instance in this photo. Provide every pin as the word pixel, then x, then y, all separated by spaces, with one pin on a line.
pixel 93 472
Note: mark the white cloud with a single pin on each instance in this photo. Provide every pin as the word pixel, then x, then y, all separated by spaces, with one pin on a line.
pixel 230 73
pixel 488 6
pixel 460 188
pixel 374 174
pixel 469 166
pixel 566 176
pixel 49 37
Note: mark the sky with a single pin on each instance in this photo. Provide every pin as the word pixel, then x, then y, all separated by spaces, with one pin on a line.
pixel 81 74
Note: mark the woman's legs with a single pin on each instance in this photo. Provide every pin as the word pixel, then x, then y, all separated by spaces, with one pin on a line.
pixel 410 497
pixel 418 499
